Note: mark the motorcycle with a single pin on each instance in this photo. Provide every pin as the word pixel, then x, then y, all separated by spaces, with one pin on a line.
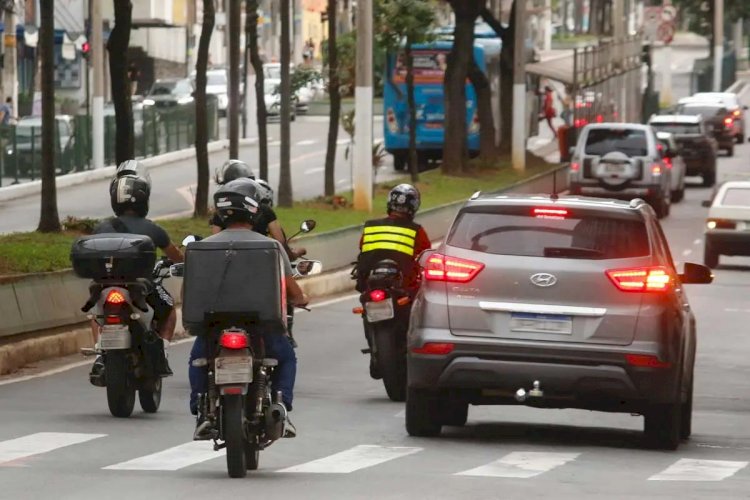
pixel 306 227
pixel 385 310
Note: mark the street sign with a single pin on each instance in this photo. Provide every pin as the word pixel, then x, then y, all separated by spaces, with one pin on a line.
pixel 659 23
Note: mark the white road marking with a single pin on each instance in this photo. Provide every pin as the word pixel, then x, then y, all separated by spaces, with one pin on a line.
pixel 274 144
pixel 342 142
pixel 174 458
pixel 308 142
pixel 698 241
pixel 688 469
pixel 687 252
pixel 41 442
pixel 401 414
pixel 353 459
pixel 522 464
pixel 316 170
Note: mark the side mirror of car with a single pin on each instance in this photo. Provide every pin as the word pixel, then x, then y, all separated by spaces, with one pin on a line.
pixel 696 274
pixel 745 107
pixel 177 270
pixel 706 203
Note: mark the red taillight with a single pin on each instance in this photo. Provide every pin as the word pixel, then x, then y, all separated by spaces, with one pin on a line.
pixel 233 340
pixel 668 163
pixel 646 361
pixel 737 112
pixel 656 169
pixel 550 213
pixel 434 348
pixel 377 295
pixel 115 297
pixel 451 269
pixel 112 320
pixel 581 122
pixel 728 122
pixel 599 119
pixel 643 279
pixel 575 167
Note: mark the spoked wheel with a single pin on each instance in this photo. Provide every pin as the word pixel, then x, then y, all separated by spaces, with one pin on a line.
pixel 150 395
pixel 234 437
pixel 120 387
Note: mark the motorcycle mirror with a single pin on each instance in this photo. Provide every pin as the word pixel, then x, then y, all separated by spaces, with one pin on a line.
pixel 191 238
pixel 177 270
pixel 309 267
pixel 307 225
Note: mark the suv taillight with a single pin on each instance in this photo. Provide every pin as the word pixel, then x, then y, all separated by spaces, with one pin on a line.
pixel 451 269
pixel 728 122
pixel 641 279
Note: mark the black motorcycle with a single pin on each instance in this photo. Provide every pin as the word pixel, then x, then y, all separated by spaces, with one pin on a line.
pixel 386 306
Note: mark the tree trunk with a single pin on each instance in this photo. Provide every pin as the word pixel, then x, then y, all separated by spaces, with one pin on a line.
pixel 412 106
pixel 117 46
pixel 506 75
pixel 455 148
pixel 260 102
pixel 49 220
pixel 334 112
pixel 285 177
pixel 481 84
pixel 201 123
pixel 233 113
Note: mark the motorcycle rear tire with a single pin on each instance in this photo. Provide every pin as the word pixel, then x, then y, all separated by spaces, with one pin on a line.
pixel 234 436
pixel 252 456
pixel 391 354
pixel 150 395
pixel 120 387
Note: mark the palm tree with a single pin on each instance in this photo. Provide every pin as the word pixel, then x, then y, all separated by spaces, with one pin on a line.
pixel 260 106
pixel 335 99
pixel 285 178
pixel 201 123
pixel 117 46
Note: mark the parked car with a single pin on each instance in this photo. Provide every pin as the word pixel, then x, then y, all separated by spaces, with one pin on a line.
pixel 674 162
pixel 728 222
pixel 697 145
pixel 717 117
pixel 622 161
pixel 303 96
pixel 553 303
pixel 732 102
pixel 109 114
pixel 169 93
pixel 273 99
pixel 217 85
pixel 23 155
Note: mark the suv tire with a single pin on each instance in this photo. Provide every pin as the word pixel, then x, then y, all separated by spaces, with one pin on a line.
pixel 454 412
pixel 686 410
pixel 677 196
pixel 710 257
pixel 661 207
pixel 730 151
pixel 421 410
pixel 709 178
pixel 662 426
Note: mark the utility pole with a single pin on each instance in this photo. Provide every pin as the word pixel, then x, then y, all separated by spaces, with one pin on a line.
pixel 233 116
pixel 298 39
pixel 97 103
pixel 718 43
pixel 518 153
pixel 363 105
pixel 739 44
pixel 10 68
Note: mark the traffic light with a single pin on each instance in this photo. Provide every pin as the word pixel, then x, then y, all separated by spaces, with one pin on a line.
pixel 85 50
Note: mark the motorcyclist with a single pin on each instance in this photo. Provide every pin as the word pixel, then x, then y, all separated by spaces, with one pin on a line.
pixel 130 191
pixel 239 210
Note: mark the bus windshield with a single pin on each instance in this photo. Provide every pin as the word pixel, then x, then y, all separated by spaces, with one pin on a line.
pixel 429 66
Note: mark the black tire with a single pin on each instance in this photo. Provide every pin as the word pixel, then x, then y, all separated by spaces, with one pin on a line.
pixel 391 353
pixel 740 138
pixel 232 414
pixel 150 398
pixel 661 207
pixel 454 413
pixel 679 195
pixel 421 411
pixel 730 151
pixel 709 178
pixel 662 426
pixel 120 387
pixel 252 456
pixel 399 161
pixel 710 257
pixel 686 414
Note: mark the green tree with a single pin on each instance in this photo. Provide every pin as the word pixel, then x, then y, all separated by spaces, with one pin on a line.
pixel 49 220
pixel 401 24
pixel 201 122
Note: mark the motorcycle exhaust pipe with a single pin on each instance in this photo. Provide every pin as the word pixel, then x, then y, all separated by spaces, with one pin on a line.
pixel 275 419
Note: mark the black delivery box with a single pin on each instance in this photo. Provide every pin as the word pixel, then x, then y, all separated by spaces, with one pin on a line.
pixel 235 279
pixel 118 257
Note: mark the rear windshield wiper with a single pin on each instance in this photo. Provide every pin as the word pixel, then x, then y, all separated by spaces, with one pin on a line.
pixel 572 252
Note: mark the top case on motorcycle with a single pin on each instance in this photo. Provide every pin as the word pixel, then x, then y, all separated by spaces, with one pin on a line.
pixel 237 282
pixel 117 257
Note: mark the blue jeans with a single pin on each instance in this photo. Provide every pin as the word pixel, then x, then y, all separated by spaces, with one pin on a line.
pixel 277 347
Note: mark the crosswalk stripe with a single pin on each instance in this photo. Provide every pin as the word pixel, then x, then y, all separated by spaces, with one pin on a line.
pixel 174 458
pixel 521 464
pixel 353 459
pixel 688 469
pixel 41 442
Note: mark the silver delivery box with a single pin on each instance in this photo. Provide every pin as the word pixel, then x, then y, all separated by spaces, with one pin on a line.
pixel 234 279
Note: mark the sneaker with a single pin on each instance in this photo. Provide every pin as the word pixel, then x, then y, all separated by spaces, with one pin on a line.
pixel 164 369
pixel 290 430
pixel 203 430
pixel 96 376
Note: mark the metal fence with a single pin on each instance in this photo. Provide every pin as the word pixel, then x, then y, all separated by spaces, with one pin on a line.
pixel 156 131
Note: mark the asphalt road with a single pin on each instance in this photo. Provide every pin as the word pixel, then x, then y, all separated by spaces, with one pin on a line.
pixel 57 439
pixel 174 184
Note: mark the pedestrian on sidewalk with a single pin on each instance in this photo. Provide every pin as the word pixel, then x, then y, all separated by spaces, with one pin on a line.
pixel 7 111
pixel 566 100
pixel 548 108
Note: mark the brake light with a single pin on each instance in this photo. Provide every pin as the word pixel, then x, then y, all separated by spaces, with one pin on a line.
pixel 581 122
pixel 377 295
pixel 668 163
pixel 646 361
pixel 434 348
pixel 599 119
pixel 575 167
pixel 550 213
pixel 656 169
pixel 233 340
pixel 451 269
pixel 642 279
pixel 115 297
pixel 737 112
pixel 728 122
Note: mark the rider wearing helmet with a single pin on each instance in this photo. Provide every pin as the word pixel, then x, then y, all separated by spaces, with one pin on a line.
pixel 130 192
pixel 396 237
pixel 238 204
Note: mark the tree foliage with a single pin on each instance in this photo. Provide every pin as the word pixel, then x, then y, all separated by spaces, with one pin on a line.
pixel 698 15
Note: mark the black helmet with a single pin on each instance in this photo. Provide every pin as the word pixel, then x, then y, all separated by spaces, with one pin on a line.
pixel 238 201
pixel 404 199
pixel 266 192
pixel 231 170
pixel 130 192
pixel 133 167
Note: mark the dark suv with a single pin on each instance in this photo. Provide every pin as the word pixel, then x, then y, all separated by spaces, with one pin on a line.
pixel 719 119
pixel 553 303
pixel 697 146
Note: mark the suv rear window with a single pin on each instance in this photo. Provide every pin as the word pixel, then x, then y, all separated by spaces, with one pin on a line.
pixel 573 236
pixel 706 111
pixel 678 128
pixel 601 141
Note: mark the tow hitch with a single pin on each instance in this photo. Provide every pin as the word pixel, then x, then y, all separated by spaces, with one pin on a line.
pixel 536 392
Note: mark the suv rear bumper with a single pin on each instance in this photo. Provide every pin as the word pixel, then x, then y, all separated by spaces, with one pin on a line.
pixel 699 166
pixel 597 190
pixel 729 242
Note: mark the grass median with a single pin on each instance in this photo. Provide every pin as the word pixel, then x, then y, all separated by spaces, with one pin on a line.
pixel 22 253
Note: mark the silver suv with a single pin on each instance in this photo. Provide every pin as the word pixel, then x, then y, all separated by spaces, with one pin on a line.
pixel 623 161
pixel 553 303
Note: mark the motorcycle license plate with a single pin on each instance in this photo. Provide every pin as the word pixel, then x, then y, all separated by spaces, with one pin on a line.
pixel 233 370
pixel 114 337
pixel 379 311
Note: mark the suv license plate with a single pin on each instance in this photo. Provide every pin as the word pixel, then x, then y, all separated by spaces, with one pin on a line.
pixel 541 323
pixel 379 311
pixel 613 168
pixel 233 370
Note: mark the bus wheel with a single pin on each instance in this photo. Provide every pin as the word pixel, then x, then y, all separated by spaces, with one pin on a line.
pixel 399 161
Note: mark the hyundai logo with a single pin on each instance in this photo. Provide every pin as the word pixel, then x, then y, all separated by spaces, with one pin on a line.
pixel 543 280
